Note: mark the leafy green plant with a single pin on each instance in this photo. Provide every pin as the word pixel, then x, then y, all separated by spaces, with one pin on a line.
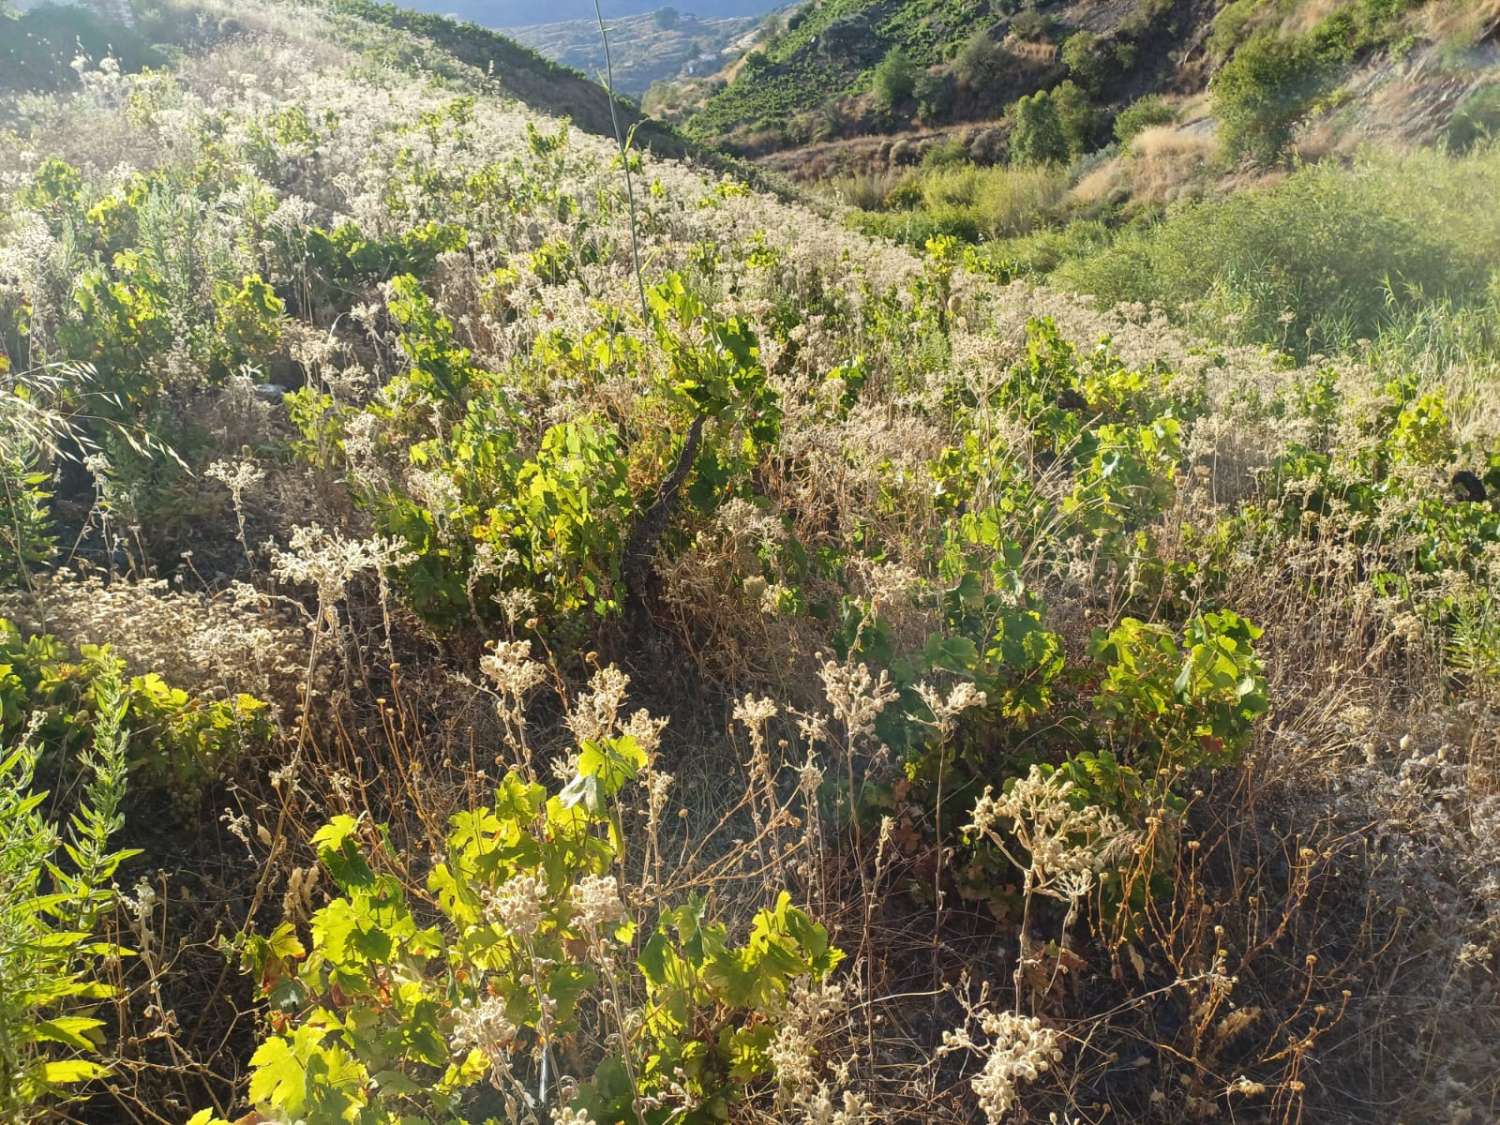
pixel 1143 113
pixel 981 61
pixel 1086 60
pixel 1037 135
pixel 390 1014
pixel 26 537
pixel 893 81
pixel 54 885
pixel 178 743
pixel 1261 93
pixel 1076 116
pixel 1180 707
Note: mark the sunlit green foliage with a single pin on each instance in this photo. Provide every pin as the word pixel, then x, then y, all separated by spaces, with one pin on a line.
pixel 176 742
pixel 1262 92
pixel 55 881
pixel 388 1013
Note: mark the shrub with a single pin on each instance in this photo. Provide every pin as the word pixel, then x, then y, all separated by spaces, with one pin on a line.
pixel 54 886
pixel 1143 113
pixel 933 94
pixel 1476 119
pixel 1085 58
pixel 949 187
pixel 894 80
pixel 1182 707
pixel 981 62
pixel 1032 25
pixel 1037 135
pixel 868 191
pixel 945 154
pixel 1261 93
pixel 1012 201
pixel 521 934
pixel 177 743
pixel 1312 263
pixel 1077 117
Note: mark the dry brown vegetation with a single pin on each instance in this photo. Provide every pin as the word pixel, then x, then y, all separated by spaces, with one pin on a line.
pixel 1122 707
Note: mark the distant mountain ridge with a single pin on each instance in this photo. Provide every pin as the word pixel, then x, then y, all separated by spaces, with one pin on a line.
pixel 661 45
pixel 521 13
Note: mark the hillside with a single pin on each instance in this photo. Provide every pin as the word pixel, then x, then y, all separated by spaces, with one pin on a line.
pixel 852 68
pixel 494 632
pixel 516 14
pixel 967 60
pixel 652 47
pixel 48 36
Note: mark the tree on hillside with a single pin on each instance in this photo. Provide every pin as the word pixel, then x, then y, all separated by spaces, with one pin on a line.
pixel 666 18
pixel 981 62
pixel 1261 93
pixel 1077 117
pixel 1037 135
pixel 894 79
pixel 1085 59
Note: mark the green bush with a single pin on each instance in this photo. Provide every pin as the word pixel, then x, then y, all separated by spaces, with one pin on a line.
pixel 1086 60
pixel 521 932
pixel 945 154
pixel 1476 119
pixel 981 62
pixel 933 94
pixel 1077 117
pixel 178 744
pixel 1037 135
pixel 1032 25
pixel 894 80
pixel 1041 252
pixel 1315 262
pixel 1013 201
pixel 1143 113
pixel 1261 93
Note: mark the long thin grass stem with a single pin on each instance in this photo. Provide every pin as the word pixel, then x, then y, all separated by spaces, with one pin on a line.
pixel 614 117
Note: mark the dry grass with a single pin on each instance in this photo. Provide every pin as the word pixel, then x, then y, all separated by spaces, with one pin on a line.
pixel 1317 947
pixel 1166 163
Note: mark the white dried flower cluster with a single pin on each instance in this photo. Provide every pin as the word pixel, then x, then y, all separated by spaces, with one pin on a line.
pixel 596 714
pixel 646 730
pixel 848 1108
pixel 755 713
pixel 234 642
pixel 512 670
pixel 596 902
pixel 810 1010
pixel 1017 1050
pixel 485 1027
pixel 856 697
pixel 140 908
pixel 516 905
pixel 237 476
pixel 322 559
pixel 946 709
pixel 1067 845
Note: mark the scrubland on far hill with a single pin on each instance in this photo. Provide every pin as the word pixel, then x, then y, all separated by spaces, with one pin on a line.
pixel 502 624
